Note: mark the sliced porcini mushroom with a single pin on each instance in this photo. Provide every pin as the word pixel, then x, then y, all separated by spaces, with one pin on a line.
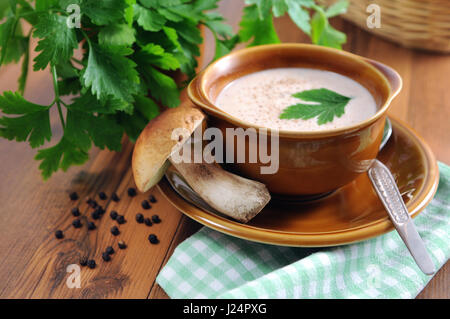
pixel 230 194
pixel 155 144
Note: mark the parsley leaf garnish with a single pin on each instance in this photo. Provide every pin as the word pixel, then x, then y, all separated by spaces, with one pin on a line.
pixel 328 105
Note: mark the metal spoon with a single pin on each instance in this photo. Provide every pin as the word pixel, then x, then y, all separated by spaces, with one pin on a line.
pixel 385 187
pixel 389 194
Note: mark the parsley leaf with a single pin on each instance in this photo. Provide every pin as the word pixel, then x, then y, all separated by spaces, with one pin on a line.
pixel 34 124
pixel 42 5
pixel 24 70
pixel 81 130
pixel 105 11
pixel 223 36
pixel 170 15
pixel 4 6
pixel 205 5
pixel 162 87
pixel 62 155
pixel 70 78
pixel 155 54
pixel 109 72
pixel 148 19
pixel 188 31
pixel 69 86
pixel 116 35
pixel 88 103
pixel 104 131
pixel 129 12
pixel 218 27
pixel 337 8
pixel 57 40
pixel 299 15
pixel 13 43
pixel 76 130
pixel 329 104
pixel 186 55
pixel 255 29
pixel 146 107
pixel 263 7
pixel 322 31
pixel 279 8
pixel 133 124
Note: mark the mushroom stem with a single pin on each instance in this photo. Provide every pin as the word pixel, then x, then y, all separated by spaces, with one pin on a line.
pixel 230 194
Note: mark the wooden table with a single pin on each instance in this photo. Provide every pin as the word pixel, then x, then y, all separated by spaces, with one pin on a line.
pixel 33 263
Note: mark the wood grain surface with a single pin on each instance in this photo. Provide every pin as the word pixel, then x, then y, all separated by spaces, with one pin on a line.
pixel 33 263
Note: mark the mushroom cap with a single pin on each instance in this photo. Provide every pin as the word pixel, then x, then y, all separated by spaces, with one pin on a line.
pixel 155 144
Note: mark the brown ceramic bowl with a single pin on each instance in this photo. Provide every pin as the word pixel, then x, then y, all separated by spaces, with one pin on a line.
pixel 310 163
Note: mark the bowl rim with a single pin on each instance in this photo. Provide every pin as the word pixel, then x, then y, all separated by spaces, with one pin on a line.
pixel 197 94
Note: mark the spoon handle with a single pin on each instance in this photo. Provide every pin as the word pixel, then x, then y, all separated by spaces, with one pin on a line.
pixel 387 191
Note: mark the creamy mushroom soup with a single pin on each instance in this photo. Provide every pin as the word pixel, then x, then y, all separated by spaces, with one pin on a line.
pixel 265 99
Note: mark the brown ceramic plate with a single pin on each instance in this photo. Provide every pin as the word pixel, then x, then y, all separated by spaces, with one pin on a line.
pixel 352 213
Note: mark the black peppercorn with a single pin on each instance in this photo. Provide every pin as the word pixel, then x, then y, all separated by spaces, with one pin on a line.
pixel 83 261
pixel 156 219
pixel 76 223
pixel 91 203
pixel 102 195
pixel 113 214
pixel 95 215
pixel 152 199
pixel 100 210
pixel 106 257
pixel 91 263
pixel 73 196
pixel 140 218
pixel 109 250
pixel 59 234
pixel 148 222
pixel 131 192
pixel 91 226
pixel 145 205
pixel 115 231
pixel 121 219
pixel 121 244
pixel 75 212
pixel 114 197
pixel 153 239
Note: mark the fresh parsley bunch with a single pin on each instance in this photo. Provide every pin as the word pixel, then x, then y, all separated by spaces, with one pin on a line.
pixel 130 49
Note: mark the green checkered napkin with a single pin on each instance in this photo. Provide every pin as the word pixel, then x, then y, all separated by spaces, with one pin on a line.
pixel 210 264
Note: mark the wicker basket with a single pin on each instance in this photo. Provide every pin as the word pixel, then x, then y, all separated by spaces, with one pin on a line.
pixel 420 24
